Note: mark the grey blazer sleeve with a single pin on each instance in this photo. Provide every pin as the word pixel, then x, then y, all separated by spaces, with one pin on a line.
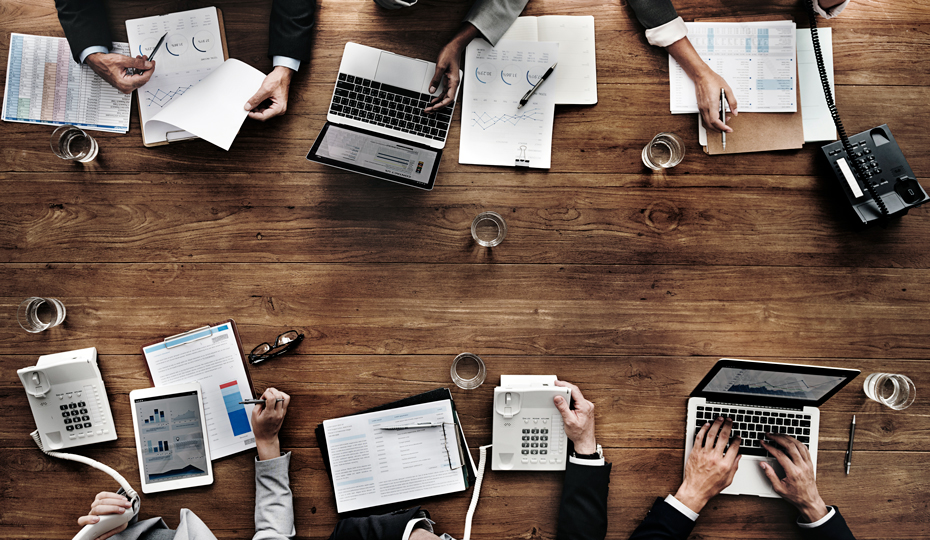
pixel 653 13
pixel 274 502
pixel 493 17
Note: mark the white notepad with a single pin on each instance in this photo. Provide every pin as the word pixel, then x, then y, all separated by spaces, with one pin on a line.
pixel 576 81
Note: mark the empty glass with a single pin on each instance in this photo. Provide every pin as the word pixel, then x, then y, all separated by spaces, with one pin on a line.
pixel 488 229
pixel 36 314
pixel 74 144
pixel 664 151
pixel 468 371
pixel 895 391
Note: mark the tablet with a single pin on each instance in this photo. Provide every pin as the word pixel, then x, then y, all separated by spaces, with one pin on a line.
pixel 171 437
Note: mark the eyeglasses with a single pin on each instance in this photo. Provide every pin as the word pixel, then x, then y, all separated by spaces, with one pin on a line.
pixel 285 342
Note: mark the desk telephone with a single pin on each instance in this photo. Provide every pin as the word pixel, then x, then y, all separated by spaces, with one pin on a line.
pixel 68 400
pixel 875 177
pixel 528 434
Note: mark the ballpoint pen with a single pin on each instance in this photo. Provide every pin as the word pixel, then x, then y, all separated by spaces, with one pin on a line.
pixel 526 96
pixel 413 426
pixel 852 434
pixel 257 401
pixel 723 116
pixel 133 71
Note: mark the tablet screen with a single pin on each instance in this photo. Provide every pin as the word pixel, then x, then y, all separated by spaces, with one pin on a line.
pixel 171 437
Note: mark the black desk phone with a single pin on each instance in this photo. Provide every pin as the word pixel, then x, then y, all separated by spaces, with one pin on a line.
pixel 870 166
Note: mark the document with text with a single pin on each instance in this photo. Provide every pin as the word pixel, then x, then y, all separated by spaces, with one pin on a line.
pixel 372 466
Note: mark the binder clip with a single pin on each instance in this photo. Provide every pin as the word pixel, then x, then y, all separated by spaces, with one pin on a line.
pixel 521 162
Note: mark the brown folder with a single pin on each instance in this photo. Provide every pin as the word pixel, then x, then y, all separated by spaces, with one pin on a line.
pixel 758 132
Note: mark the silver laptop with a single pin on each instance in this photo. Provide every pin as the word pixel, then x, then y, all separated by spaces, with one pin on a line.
pixel 763 397
pixel 376 124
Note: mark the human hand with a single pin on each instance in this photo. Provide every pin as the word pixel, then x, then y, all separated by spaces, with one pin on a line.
pixel 707 91
pixel 579 422
pixel 447 66
pixel 106 503
pixel 799 486
pixel 708 470
pixel 266 423
pixel 113 68
pixel 274 88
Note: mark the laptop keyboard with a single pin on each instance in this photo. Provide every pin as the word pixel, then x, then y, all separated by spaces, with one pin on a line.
pixel 751 425
pixel 389 106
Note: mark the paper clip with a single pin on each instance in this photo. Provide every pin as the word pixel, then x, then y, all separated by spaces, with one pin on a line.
pixel 182 341
pixel 521 162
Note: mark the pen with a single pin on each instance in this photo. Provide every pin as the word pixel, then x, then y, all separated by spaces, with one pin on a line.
pixel 526 96
pixel 133 71
pixel 852 434
pixel 723 116
pixel 413 426
pixel 257 401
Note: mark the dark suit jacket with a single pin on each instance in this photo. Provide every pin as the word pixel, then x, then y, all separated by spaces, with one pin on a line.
pixel 85 25
pixel 582 512
pixel 664 522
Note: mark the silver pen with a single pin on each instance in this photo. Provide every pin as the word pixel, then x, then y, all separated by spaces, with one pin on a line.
pixel 134 71
pixel 526 97
pixel 413 426
pixel 723 116
pixel 849 448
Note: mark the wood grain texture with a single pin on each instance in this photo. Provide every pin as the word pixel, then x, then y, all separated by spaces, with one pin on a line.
pixel 628 283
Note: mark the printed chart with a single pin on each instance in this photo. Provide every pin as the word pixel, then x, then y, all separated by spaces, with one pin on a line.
pixel 238 420
pixel 44 85
pixel 494 130
pixel 758 61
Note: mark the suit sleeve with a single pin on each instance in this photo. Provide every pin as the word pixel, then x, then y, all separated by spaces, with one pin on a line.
pixel 583 510
pixel 493 17
pixel 384 527
pixel 663 522
pixel 290 29
pixel 85 24
pixel 274 502
pixel 835 529
pixel 653 13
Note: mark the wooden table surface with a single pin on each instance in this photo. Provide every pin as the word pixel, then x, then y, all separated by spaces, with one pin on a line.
pixel 630 283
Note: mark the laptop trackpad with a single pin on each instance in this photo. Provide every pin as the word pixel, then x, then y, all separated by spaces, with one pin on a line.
pixel 401 71
pixel 750 479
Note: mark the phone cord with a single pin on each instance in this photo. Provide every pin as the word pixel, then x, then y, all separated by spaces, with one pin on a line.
pixel 131 493
pixel 479 475
pixel 828 94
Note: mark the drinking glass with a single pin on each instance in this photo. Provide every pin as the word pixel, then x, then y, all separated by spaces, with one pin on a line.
pixel 895 391
pixel 36 314
pixel 488 229
pixel 468 371
pixel 664 151
pixel 72 143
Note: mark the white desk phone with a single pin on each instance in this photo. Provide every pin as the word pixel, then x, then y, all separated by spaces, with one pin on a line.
pixel 70 407
pixel 528 434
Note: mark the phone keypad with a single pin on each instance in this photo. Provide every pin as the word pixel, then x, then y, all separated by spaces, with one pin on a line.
pixel 80 418
pixel 540 440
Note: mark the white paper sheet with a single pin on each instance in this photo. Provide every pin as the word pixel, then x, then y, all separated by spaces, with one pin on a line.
pixel 212 109
pixel 494 130
pixel 577 70
pixel 212 358
pixel 373 467
pixel 758 61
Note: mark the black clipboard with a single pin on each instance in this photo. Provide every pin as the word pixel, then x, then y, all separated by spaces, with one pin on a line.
pixel 439 394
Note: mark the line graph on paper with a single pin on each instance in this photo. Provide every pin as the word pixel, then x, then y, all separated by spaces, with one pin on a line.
pixel 161 98
pixel 486 121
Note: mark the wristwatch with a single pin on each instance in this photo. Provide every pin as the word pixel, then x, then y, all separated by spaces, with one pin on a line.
pixel 599 454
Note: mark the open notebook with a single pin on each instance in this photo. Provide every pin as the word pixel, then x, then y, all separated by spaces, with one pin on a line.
pixel 576 74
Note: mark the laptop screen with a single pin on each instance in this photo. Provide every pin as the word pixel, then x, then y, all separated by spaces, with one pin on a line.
pixel 773 384
pixel 381 156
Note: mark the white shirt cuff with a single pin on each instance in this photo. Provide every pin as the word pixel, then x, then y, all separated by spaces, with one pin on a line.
pixel 93 49
pixel 680 506
pixel 833 12
pixel 589 462
pixel 285 61
pixel 819 522
pixel 668 33
pixel 408 530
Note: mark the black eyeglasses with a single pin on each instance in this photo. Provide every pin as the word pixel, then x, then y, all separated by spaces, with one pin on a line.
pixel 285 342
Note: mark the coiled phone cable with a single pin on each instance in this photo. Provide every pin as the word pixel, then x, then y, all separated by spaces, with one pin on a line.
pixel 479 476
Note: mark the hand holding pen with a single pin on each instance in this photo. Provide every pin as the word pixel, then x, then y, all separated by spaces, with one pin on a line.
pixel 151 57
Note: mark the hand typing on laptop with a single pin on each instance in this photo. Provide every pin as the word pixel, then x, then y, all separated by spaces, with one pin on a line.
pixel 799 486
pixel 711 465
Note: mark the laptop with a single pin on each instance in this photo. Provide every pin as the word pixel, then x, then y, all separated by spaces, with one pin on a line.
pixel 761 397
pixel 376 125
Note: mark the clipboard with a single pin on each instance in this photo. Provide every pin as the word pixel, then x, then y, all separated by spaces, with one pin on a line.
pixel 231 430
pixel 168 139
pixel 439 394
pixel 758 132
